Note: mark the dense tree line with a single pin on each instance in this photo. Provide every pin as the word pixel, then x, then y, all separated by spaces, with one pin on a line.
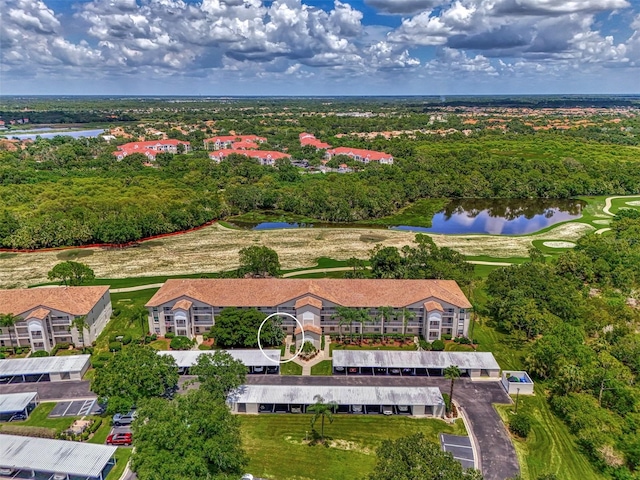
pixel 67 191
pixel 585 340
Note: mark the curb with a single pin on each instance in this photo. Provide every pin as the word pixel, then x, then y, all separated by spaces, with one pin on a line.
pixel 477 462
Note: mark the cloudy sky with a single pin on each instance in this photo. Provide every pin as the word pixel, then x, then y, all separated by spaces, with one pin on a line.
pixel 319 47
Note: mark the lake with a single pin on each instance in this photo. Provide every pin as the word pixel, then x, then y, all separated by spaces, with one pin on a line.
pixel 50 133
pixel 473 215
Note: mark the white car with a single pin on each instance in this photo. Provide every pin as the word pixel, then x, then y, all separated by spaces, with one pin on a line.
pixel 247 476
pixel 356 408
pixel 387 410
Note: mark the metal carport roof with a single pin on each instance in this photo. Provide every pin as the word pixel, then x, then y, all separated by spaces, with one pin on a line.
pixel 250 358
pixel 55 456
pixel 15 402
pixel 399 359
pixel 342 395
pixel 40 365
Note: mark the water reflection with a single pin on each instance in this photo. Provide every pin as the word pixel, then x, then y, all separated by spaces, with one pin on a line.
pixel 500 216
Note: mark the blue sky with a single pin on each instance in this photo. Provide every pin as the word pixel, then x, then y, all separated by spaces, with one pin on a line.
pixel 319 47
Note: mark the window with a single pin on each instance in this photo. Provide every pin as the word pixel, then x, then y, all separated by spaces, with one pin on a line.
pixel 155 320
pixel 376 329
pixel 394 330
pixel 332 329
pixel 197 329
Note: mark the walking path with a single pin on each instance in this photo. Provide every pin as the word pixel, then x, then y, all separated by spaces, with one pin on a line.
pixel 607 203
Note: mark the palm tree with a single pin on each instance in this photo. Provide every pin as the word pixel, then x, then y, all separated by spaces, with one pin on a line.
pixel 406 316
pixel 362 317
pixel 8 321
pixel 81 325
pixel 452 372
pixel 344 316
pixel 321 410
pixel 384 313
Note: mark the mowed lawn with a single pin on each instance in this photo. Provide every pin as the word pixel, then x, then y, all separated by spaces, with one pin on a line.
pixel 276 444
pixel 549 448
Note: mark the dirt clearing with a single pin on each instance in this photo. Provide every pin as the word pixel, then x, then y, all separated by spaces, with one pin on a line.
pixel 215 248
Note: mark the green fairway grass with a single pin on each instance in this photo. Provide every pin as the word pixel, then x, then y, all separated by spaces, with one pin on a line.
pixel 549 448
pixel 335 346
pixel 618 203
pixel 322 368
pixel 276 444
pixel 417 214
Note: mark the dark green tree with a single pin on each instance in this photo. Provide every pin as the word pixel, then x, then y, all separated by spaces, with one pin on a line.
pixel 135 373
pixel 192 436
pixel 219 373
pixel 417 458
pixel 238 328
pixel 71 273
pixel 259 261
pixel 321 410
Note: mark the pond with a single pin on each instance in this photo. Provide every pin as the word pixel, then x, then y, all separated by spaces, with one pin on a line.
pixel 467 216
pixel 50 133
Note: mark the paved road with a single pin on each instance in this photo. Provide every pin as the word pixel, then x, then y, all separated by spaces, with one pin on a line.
pixel 48 391
pixel 497 455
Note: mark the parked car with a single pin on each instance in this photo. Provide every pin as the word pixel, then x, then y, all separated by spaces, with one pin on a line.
pixel 18 417
pixel 258 369
pixel 272 369
pixel 339 369
pixel 403 408
pixel 247 476
pixel 119 439
pixel 120 419
pixel 6 471
pixel 296 409
pixel 353 370
pixel 356 408
pixel 387 410
pixel 394 371
pixel 407 371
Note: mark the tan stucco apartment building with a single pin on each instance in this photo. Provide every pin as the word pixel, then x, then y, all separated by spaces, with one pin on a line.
pixel 46 315
pixel 432 308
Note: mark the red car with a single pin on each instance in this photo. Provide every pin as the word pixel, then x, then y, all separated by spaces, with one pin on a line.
pixel 119 439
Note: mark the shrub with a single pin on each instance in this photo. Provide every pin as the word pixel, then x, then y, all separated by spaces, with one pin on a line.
pixel 308 347
pixel 18 350
pixel 126 339
pixel 94 426
pixel 292 348
pixel 60 346
pixel 40 432
pixel 87 350
pixel 116 312
pixel 169 335
pixel 520 424
pixel 39 353
pixel 2 356
pixel 446 336
pixel 181 343
pixel 322 343
pixel 203 346
pixel 464 341
pixel 447 401
pixel 424 345
pixel 437 346
pixel 115 346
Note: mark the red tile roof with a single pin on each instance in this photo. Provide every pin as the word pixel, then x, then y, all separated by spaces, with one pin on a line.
pixel 371 155
pixel 183 304
pixel 270 292
pixel 309 139
pixel 72 300
pixel 40 313
pixel 430 306
pixel 314 302
pixel 259 154
pixel 235 138
pixel 309 328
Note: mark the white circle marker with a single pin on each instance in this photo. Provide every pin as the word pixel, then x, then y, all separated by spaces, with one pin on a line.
pixel 301 343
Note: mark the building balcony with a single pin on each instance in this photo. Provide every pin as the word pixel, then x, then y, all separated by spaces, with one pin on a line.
pixel 60 322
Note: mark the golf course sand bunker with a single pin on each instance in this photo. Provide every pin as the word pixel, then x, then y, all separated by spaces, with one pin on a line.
pixel 601 222
pixel 635 203
pixel 559 244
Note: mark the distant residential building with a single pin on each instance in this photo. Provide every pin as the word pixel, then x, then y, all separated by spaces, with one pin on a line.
pixel 308 139
pixel 266 157
pixel 46 315
pixel 427 308
pixel 361 155
pixel 152 148
pixel 228 141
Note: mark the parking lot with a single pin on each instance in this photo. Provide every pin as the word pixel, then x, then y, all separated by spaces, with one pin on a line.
pixel 76 408
pixel 459 447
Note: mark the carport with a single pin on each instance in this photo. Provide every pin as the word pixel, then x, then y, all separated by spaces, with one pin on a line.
pixel 419 401
pixel 265 362
pixel 403 363
pixel 43 369
pixel 12 404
